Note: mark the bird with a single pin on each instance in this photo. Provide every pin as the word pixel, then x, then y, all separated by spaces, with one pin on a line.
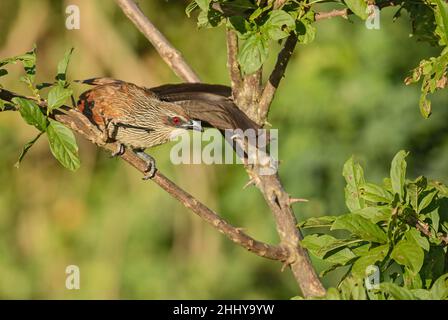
pixel 134 117
pixel 140 118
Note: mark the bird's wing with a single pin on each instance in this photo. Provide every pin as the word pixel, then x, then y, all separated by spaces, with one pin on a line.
pixel 209 103
pixel 109 101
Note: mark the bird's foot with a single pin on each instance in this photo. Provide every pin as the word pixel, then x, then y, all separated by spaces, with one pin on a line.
pixel 151 169
pixel 119 151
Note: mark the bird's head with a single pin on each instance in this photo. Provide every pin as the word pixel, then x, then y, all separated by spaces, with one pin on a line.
pixel 177 121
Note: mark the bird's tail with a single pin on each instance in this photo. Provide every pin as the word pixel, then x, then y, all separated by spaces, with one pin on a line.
pixel 210 103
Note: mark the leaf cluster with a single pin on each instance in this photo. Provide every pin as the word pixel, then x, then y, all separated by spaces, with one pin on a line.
pixel 400 226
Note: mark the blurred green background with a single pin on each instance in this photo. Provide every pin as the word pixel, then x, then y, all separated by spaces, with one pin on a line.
pixel 342 95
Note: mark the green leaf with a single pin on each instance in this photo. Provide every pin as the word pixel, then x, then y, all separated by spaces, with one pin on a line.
pixel 374 193
pixel 427 199
pixel 203 4
pixel 62 67
pixel 439 290
pixel 398 293
pixel 316 242
pixel 63 145
pixel 31 113
pixel 352 289
pixel 306 31
pixel 26 148
pixel 435 218
pixel 375 214
pixel 358 7
pixel 433 266
pixel 414 235
pixel 57 97
pixel 341 257
pixel 421 294
pixel 370 258
pixel 3 72
pixel 361 227
pixel 278 25
pixel 407 253
pixel 253 53
pixel 441 15
pixel 354 176
pixel 333 294
pixel 318 222
pixel 398 173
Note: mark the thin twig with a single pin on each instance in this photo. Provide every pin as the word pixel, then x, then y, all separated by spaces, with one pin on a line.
pixel 80 124
pixel 275 77
pixel 425 229
pixel 344 13
pixel 169 54
pixel 331 14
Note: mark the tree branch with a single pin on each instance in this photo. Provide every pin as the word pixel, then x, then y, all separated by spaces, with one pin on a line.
pixel 271 187
pixel 232 61
pixel 169 54
pixel 275 77
pixel 80 124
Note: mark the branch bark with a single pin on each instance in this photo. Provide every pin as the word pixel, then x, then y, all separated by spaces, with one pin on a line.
pixel 80 124
pixel 232 62
pixel 275 77
pixel 247 95
pixel 169 54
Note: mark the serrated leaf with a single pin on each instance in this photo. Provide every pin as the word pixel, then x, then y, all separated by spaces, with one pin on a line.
pixel 31 113
pixel 408 254
pixel 398 173
pixel 354 176
pixel 370 258
pixel 361 227
pixel 358 7
pixel 253 53
pixel 63 145
pixel 57 97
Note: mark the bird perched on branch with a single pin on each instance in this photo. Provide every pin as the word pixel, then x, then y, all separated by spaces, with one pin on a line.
pixel 141 118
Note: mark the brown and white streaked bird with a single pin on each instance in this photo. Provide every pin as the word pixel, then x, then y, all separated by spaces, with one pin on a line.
pixel 141 118
pixel 134 117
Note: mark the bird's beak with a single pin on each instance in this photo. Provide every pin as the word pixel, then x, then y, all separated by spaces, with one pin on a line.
pixel 193 125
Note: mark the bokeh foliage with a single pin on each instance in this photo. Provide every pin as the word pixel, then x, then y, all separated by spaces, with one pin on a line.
pixel 343 94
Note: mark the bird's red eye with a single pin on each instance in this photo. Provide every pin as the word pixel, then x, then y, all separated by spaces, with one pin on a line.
pixel 176 121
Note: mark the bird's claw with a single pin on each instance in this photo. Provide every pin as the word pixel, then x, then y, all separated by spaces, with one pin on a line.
pixel 151 169
pixel 119 151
